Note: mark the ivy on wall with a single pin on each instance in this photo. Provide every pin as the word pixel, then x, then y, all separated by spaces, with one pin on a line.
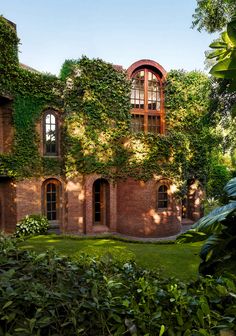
pixel 31 93
pixel 93 98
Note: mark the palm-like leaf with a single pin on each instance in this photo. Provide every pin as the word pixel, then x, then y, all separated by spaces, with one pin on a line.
pixel 191 236
pixel 213 221
pixel 230 188
pixel 213 245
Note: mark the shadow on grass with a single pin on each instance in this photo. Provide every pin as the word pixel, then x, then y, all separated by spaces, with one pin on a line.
pixel 180 261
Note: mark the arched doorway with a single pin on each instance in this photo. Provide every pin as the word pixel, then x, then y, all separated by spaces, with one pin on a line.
pixel 101 205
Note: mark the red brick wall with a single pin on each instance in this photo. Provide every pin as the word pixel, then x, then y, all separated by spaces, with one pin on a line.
pixel 137 213
pixel 195 197
pixel 29 198
pixel 74 208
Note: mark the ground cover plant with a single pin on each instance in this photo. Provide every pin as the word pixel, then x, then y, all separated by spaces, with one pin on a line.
pixel 180 261
pixel 47 294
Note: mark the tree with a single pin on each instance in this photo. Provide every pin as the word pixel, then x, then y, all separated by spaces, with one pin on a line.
pixel 213 15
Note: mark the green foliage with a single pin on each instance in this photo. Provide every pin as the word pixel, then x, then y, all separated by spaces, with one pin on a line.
pixel 213 15
pixel 225 54
pixel 45 294
pixel 8 55
pixel 218 229
pixel 32 225
pixel 218 176
pixel 94 102
pixel 32 92
pixel 98 136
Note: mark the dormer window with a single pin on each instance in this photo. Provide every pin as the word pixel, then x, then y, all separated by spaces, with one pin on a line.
pixel 147 98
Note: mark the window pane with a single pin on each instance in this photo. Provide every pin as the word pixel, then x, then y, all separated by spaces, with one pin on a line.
pixel 154 124
pixel 162 197
pixel 51 201
pixel 137 123
pixel 153 92
pixel 137 92
pixel 50 134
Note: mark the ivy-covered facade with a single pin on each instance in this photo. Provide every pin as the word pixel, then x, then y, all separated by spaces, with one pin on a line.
pixel 101 149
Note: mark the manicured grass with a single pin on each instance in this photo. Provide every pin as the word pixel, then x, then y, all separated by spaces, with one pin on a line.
pixel 180 261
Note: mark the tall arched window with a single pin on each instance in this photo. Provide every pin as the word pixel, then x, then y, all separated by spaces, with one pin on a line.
pixel 50 134
pixel 146 101
pixel 162 197
pixel 51 199
pixel 147 96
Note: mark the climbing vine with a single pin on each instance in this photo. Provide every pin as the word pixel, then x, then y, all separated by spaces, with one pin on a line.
pixel 93 100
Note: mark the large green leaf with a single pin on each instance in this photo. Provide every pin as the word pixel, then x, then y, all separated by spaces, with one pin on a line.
pixel 225 68
pixel 218 54
pixel 230 187
pixel 212 222
pixel 231 30
pixel 213 244
pixel 191 236
pixel 218 45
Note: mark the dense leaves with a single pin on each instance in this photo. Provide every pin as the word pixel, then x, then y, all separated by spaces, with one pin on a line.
pixel 47 294
pixel 213 15
pixel 93 100
pixel 219 230
pixel 32 225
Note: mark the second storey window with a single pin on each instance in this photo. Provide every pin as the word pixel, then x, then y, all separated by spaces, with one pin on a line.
pixel 146 102
pixel 50 134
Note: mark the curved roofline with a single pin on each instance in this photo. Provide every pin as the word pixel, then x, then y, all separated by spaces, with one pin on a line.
pixel 146 62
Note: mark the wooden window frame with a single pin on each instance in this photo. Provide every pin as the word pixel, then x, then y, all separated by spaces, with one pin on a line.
pixel 57 135
pixel 58 193
pixel 162 200
pixel 104 201
pixel 145 112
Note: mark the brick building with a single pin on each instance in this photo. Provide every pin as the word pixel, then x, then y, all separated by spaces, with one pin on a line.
pixel 91 203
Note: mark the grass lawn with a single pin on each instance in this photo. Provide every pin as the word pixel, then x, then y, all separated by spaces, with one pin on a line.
pixel 180 261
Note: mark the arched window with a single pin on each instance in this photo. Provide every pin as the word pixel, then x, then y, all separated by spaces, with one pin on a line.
pixel 50 134
pixel 162 197
pixel 51 197
pixel 147 96
pixel 146 101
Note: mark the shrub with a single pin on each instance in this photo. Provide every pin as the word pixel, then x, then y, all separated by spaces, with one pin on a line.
pixel 31 225
pixel 46 294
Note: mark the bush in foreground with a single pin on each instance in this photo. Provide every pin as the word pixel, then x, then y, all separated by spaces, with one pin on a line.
pixel 47 294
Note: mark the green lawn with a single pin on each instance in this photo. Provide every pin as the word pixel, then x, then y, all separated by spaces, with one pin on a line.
pixel 180 261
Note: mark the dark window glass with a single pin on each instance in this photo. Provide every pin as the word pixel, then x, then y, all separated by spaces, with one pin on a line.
pixel 163 196
pixel 51 201
pixel 50 134
pixel 137 123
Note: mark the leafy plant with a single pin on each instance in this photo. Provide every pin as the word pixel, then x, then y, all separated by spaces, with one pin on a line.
pixel 218 229
pixel 32 225
pixel 46 294
pixel 225 54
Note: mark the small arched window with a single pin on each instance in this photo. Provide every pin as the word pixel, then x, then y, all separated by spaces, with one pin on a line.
pixel 51 196
pixel 162 197
pixel 50 134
